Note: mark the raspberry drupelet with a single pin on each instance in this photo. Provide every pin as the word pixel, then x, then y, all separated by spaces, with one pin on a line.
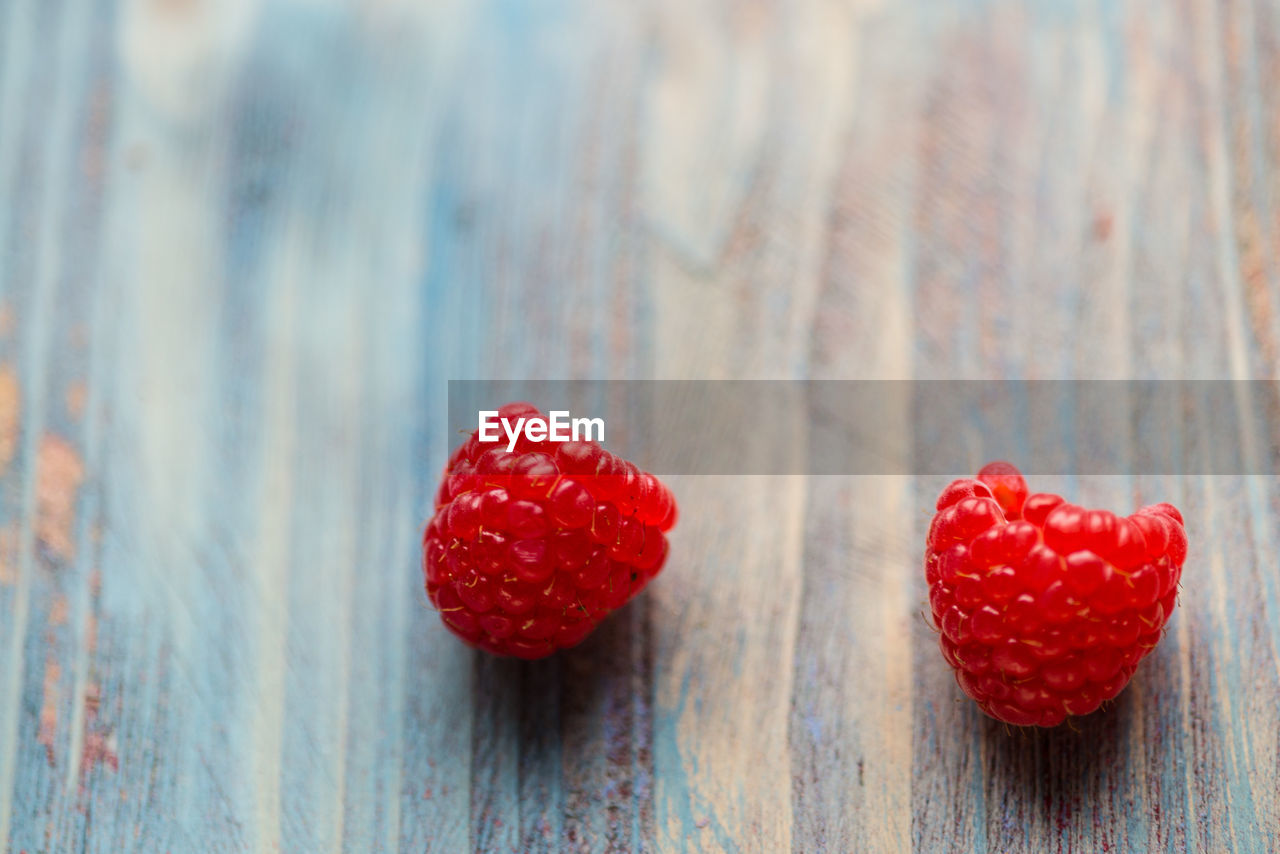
pixel 528 550
pixel 1045 608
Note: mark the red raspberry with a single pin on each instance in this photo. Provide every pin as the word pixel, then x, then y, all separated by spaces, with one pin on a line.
pixel 528 551
pixel 1046 608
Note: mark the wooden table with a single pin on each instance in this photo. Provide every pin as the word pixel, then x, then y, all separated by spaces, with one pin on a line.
pixel 244 244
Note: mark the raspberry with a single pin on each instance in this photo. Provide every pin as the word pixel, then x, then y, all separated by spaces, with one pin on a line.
pixel 1045 608
pixel 528 550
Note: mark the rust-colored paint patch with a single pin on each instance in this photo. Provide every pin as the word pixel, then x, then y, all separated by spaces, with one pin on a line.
pixel 99 745
pixel 99 742
pixel 8 555
pixel 77 394
pixel 58 611
pixel 61 471
pixel 10 405
pixel 1102 225
pixel 48 730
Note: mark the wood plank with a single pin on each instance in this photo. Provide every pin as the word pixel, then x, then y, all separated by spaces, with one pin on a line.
pixel 242 248
pixel 725 636
pixel 49 744
pixel 851 729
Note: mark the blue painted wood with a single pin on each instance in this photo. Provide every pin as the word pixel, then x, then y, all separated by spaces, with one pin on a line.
pixel 243 246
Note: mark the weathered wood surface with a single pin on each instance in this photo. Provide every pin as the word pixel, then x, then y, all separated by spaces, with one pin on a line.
pixel 244 244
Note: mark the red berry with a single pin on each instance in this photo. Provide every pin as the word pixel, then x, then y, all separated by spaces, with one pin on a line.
pixel 1046 608
pixel 1007 485
pixel 528 550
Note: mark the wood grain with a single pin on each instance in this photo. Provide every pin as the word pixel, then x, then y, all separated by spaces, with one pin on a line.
pixel 244 245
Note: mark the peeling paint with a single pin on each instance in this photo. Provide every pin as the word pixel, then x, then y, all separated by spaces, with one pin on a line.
pixel 8 555
pixel 100 748
pixel 49 708
pixel 99 742
pixel 61 471
pixel 10 405
pixel 58 610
